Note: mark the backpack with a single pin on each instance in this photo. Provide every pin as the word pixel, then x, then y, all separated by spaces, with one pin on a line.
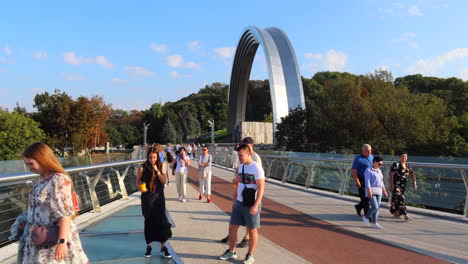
pixel 169 157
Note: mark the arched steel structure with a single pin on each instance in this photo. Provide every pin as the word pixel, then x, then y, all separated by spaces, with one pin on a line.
pixel 283 72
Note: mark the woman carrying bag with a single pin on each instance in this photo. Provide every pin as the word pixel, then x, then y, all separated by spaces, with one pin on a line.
pixel 52 235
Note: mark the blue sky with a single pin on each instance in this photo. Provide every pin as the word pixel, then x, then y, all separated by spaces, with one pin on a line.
pixel 135 53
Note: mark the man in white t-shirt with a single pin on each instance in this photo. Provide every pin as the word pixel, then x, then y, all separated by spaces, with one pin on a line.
pixel 249 175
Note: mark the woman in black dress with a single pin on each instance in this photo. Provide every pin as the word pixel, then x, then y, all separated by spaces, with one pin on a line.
pixel 150 181
pixel 399 173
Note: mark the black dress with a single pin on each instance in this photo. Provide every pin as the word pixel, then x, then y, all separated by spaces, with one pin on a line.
pixel 153 207
pixel 400 177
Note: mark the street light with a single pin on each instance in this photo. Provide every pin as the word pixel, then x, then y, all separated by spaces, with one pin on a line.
pixel 145 131
pixel 212 125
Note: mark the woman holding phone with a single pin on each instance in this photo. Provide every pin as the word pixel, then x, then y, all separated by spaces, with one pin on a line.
pixel 150 181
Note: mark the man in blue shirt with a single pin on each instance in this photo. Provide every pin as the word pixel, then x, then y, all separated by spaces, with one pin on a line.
pixel 360 164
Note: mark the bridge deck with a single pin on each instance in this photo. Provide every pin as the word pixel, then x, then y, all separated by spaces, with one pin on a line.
pixel 298 226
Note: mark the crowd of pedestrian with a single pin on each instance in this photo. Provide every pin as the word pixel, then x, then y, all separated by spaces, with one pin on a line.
pixel 53 204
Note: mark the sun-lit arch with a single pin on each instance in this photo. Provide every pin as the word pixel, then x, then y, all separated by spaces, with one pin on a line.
pixel 283 72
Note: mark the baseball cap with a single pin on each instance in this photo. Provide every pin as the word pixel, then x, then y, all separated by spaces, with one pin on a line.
pixel 247 140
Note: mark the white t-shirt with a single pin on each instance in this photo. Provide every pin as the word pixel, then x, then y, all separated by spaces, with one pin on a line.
pixel 253 172
pixel 179 167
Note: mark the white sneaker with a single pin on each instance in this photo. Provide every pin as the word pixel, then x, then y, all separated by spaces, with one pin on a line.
pixel 365 220
pixel 184 201
pixel 376 225
pixel 180 198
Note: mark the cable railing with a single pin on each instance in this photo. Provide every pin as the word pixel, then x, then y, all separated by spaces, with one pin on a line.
pixel 94 185
pixel 441 186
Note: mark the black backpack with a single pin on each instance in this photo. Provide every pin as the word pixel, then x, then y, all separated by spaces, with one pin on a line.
pixel 169 157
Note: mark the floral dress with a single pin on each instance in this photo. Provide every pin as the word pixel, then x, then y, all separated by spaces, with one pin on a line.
pixel 50 200
pixel 400 177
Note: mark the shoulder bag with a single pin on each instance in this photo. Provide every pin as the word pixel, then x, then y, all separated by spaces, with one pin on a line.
pixel 248 194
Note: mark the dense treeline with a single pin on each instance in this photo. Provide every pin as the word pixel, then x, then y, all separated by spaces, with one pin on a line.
pixel 425 115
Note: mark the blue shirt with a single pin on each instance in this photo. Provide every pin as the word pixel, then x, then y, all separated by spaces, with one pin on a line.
pixel 361 163
pixel 373 178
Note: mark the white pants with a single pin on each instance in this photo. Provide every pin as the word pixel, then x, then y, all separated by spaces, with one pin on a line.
pixel 204 180
pixel 181 179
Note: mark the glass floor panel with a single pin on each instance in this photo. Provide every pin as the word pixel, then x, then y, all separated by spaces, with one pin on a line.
pixel 119 238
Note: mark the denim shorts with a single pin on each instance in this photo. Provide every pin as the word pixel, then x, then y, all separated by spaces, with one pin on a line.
pixel 241 216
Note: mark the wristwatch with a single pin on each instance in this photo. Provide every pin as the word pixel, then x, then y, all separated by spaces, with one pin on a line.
pixel 61 241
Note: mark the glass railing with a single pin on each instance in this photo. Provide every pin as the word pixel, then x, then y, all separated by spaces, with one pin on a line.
pixel 95 185
pixel 442 183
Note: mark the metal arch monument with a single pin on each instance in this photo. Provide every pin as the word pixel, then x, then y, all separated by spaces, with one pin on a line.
pixel 283 72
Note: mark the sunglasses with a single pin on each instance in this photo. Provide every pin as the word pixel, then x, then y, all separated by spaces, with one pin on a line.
pixel 205 149
pixel 380 163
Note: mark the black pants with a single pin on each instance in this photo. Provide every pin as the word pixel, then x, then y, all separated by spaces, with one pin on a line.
pixel 364 203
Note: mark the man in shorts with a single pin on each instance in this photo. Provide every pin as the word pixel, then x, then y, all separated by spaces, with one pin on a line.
pixel 253 176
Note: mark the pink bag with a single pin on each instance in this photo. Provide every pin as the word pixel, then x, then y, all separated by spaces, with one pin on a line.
pixel 42 236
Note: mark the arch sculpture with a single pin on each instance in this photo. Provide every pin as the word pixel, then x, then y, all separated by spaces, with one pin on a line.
pixel 283 72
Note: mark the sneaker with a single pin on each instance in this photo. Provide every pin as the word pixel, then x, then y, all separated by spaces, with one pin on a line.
pixel 358 211
pixel 208 200
pixel 200 197
pixel 365 220
pixel 249 259
pixel 183 200
pixel 180 198
pixel 376 225
pixel 243 243
pixel 228 255
pixel 148 251
pixel 407 218
pixel 225 240
pixel 165 253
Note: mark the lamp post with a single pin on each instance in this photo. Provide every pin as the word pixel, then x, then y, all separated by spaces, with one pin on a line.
pixel 212 125
pixel 145 132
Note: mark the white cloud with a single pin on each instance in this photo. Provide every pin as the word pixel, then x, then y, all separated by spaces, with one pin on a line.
pixel 41 55
pixel 225 53
pixel 73 59
pixel 7 50
pixel 175 75
pixel 175 60
pixel 196 47
pixel 464 74
pixel 5 60
pixel 72 76
pixel 331 61
pixel 408 38
pixel 101 60
pixel 136 70
pixel 161 48
pixel 36 90
pixel 192 65
pixel 312 56
pixel 432 65
pixel 118 80
pixel 414 11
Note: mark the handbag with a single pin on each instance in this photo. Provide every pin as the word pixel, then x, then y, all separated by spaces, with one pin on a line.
pixel 248 194
pixel 42 236
pixel 376 190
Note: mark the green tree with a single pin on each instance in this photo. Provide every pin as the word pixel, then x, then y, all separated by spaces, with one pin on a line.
pixel 17 131
pixel 168 134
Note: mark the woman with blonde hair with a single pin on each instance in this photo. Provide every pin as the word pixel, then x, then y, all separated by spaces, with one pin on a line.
pixel 51 205
pixel 151 178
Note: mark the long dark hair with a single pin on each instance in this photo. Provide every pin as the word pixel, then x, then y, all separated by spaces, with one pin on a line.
pixel 148 166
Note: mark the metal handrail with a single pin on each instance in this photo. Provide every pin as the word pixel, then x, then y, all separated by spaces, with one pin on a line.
pixel 413 164
pixel 28 176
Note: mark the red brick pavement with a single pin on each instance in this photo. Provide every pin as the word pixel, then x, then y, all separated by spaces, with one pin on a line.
pixel 314 240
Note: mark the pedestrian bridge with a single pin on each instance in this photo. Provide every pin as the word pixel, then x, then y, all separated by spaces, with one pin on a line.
pixel 306 223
